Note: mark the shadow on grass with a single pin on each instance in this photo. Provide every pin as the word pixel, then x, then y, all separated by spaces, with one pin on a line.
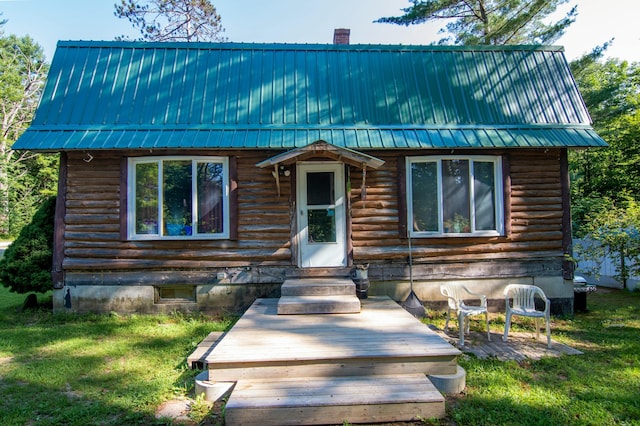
pixel 598 387
pixel 84 369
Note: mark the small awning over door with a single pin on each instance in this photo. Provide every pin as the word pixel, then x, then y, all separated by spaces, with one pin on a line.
pixel 325 150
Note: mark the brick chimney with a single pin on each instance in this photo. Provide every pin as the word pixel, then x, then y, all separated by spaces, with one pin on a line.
pixel 341 36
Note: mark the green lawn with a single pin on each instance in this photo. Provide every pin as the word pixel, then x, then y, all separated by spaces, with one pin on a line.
pixel 117 369
pixel 601 387
pixel 93 369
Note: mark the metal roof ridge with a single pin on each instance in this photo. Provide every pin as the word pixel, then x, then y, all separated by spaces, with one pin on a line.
pixel 307 127
pixel 298 46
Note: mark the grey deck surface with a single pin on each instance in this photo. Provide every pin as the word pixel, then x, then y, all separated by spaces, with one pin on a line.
pixel 382 330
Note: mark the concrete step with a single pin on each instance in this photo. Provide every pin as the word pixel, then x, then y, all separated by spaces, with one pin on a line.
pixel 300 305
pixel 318 287
pixel 334 400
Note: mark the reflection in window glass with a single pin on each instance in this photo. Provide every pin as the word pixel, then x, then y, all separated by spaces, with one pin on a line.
pixel 484 188
pixel 322 226
pixel 455 196
pixel 179 197
pixel 320 191
pixel 147 198
pixel 210 197
pixel 175 294
pixel 424 184
pixel 176 197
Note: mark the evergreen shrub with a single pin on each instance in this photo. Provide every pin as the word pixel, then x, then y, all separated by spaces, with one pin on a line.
pixel 26 264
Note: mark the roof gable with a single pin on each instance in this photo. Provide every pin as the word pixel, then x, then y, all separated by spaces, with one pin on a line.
pixel 357 96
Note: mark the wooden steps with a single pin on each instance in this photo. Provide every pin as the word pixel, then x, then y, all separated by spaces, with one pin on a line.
pixel 318 296
pixel 327 369
pixel 333 400
pixel 383 339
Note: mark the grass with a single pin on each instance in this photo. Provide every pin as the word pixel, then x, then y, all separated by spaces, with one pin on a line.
pixel 94 369
pixel 601 387
pixel 117 369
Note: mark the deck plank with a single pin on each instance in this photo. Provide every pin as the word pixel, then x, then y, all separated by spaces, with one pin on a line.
pixel 373 367
pixel 381 329
pixel 333 400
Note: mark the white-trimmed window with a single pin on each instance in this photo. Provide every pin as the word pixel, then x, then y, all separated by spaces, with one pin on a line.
pixel 178 198
pixel 454 196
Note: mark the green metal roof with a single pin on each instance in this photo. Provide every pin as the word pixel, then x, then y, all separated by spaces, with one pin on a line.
pixel 112 95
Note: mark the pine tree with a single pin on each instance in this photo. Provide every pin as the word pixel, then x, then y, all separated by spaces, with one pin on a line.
pixel 172 20
pixel 489 21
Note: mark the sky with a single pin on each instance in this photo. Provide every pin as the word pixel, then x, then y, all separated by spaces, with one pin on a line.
pixel 312 21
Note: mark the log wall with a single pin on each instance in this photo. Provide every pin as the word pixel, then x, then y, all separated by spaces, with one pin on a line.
pixel 92 237
pixel 533 221
pixel 534 215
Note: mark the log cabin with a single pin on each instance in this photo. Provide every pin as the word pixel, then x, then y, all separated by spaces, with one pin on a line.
pixel 200 176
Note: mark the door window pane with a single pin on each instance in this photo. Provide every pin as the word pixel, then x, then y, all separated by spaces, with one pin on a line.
pixel 322 226
pixel 320 191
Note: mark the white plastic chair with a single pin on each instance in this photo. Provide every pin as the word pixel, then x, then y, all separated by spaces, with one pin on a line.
pixel 520 300
pixel 456 295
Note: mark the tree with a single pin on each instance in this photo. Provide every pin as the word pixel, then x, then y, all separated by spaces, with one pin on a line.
pixel 611 91
pixel 489 21
pixel 172 20
pixel 26 264
pixel 605 187
pixel 26 179
pixel 612 230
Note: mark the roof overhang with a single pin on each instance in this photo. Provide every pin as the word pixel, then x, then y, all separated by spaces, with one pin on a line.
pixel 325 150
pixel 57 138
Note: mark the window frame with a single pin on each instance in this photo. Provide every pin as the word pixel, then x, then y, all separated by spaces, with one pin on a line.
pixel 131 197
pixel 438 159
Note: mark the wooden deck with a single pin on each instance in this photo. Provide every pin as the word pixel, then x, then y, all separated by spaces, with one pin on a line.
pixel 383 339
pixel 326 369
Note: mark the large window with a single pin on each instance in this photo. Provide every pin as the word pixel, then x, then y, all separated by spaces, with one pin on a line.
pixel 178 197
pixel 454 196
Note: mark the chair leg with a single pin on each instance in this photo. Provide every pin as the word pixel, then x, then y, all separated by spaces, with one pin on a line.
pixel 486 319
pixel 446 323
pixel 507 324
pixel 461 320
pixel 548 333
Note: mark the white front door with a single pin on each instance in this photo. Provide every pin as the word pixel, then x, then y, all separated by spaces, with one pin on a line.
pixel 321 215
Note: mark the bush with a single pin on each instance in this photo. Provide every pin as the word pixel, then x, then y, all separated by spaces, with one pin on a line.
pixel 613 233
pixel 26 265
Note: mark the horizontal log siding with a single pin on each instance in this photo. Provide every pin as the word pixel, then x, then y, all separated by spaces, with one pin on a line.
pixel 92 222
pixel 535 216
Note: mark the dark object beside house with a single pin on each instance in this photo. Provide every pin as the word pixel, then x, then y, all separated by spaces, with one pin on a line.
pixel 581 290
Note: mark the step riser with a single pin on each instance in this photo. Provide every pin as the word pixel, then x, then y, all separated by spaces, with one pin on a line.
pixel 334 400
pixel 318 287
pixel 381 367
pixel 318 296
pixel 323 307
pixel 318 290
pixel 336 414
